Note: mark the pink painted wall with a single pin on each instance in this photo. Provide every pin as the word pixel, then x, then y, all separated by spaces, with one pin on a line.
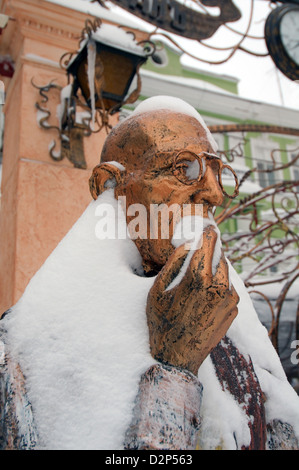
pixel 40 199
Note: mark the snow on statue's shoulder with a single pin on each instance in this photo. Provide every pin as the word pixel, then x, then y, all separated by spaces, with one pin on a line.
pixel 80 335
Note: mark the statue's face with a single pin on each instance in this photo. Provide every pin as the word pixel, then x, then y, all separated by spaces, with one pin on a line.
pixel 168 161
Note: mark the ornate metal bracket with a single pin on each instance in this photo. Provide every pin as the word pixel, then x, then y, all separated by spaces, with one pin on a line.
pixel 71 131
pixel 271 129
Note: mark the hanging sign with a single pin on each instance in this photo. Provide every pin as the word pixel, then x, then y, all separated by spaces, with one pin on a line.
pixel 176 17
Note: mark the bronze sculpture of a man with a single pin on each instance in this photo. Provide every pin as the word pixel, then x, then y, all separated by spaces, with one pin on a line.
pixel 147 145
pixel 164 155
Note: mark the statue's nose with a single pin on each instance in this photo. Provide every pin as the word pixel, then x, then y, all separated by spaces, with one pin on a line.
pixel 209 190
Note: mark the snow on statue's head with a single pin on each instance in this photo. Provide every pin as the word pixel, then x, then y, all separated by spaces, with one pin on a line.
pixel 159 124
pixel 139 156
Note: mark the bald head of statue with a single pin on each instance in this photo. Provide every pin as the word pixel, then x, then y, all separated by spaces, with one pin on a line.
pixel 139 141
pixel 148 157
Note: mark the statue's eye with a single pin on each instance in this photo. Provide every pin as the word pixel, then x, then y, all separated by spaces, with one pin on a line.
pixel 188 168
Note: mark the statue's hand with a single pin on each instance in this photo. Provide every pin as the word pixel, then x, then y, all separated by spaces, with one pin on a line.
pixel 187 321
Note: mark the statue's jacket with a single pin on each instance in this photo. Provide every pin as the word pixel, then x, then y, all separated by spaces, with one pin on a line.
pixel 167 412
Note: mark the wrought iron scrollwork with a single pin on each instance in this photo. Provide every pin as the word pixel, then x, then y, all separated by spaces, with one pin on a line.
pixel 70 132
pixel 265 248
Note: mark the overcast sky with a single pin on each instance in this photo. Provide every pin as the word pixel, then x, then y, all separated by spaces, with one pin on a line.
pixel 259 78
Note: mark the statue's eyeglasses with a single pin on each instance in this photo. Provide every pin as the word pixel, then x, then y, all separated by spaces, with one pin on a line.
pixel 189 168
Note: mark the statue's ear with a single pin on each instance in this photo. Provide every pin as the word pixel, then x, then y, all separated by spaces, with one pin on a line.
pixel 104 176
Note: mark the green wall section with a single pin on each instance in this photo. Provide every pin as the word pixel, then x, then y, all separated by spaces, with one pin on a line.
pixel 175 68
pixel 283 142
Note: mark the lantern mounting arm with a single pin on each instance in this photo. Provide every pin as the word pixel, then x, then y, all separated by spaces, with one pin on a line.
pixel 69 129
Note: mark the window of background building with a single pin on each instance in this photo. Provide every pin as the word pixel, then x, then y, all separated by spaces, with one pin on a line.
pixel 295 170
pixel 261 159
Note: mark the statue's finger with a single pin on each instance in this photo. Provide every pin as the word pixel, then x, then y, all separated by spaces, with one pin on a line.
pixel 171 269
pixel 227 320
pixel 201 263
pixel 221 276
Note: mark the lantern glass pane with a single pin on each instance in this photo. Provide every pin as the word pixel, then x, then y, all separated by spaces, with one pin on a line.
pixel 119 71
pixel 114 71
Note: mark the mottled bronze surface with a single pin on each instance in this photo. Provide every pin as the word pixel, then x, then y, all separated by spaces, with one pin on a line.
pixel 136 142
pixel 188 321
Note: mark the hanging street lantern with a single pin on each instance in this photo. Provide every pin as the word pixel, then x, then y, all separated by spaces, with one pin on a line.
pixel 100 74
pixel 105 66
